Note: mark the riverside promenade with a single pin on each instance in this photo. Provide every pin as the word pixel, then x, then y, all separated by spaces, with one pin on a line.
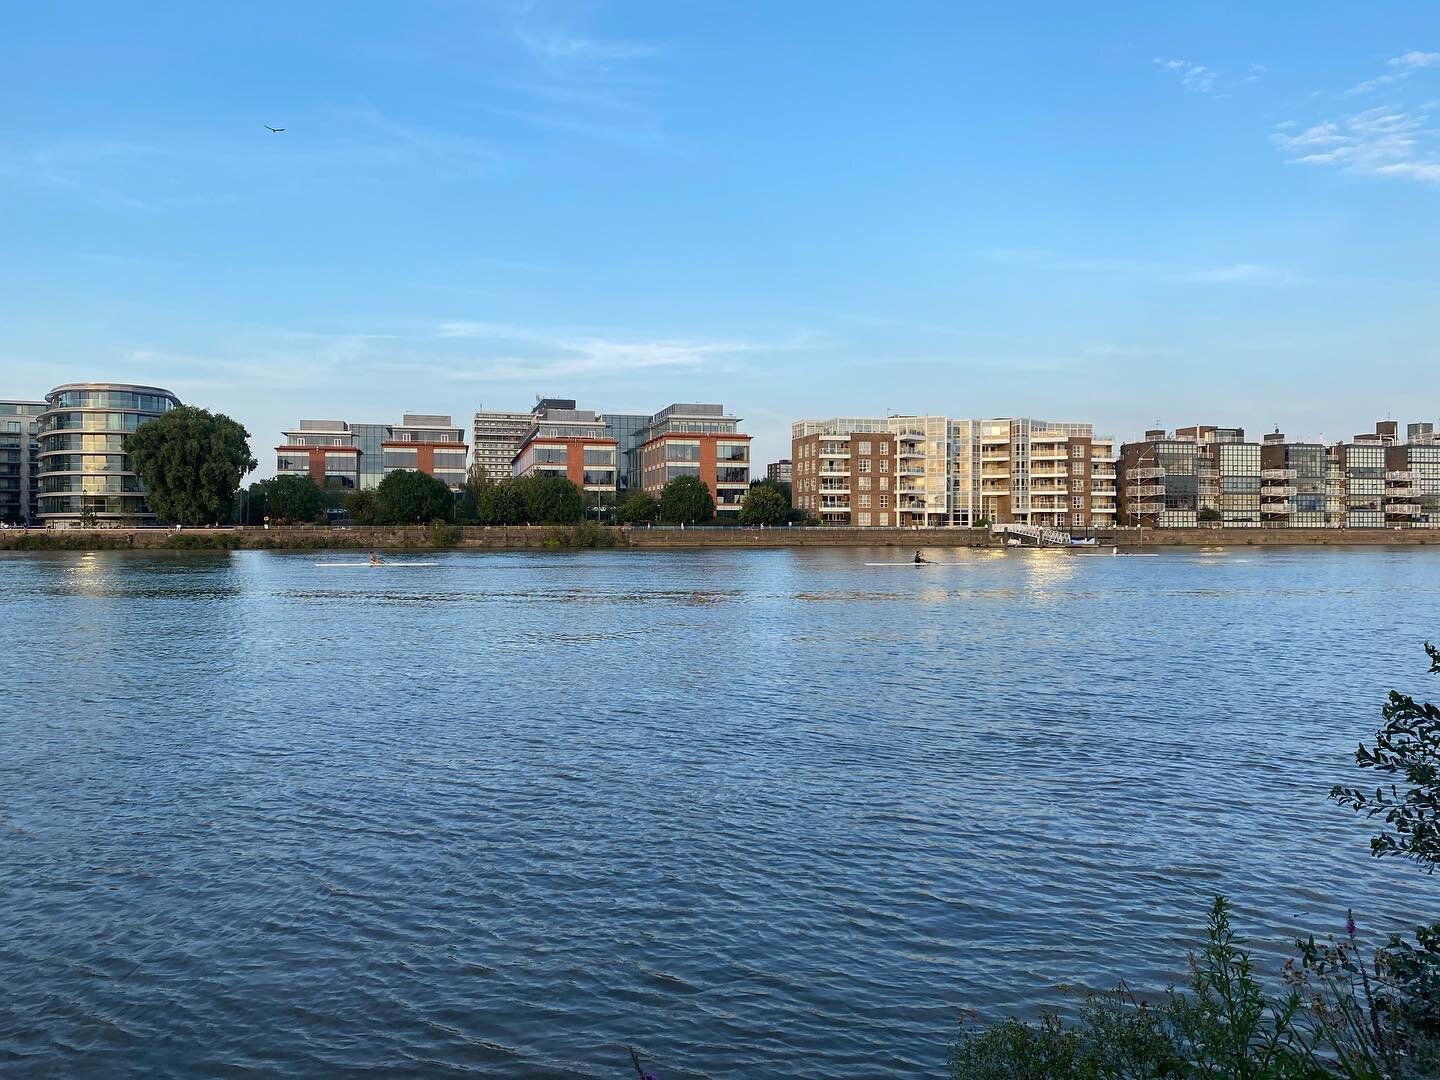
pixel 521 537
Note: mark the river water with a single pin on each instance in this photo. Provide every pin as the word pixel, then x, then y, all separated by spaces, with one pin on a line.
pixel 761 813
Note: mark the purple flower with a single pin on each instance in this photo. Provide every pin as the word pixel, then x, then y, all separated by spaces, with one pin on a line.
pixel 648 1076
pixel 1350 923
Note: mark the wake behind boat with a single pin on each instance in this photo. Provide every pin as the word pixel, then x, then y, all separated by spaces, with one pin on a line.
pixel 382 564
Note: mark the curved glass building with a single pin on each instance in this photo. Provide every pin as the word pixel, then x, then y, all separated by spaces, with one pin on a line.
pixel 83 468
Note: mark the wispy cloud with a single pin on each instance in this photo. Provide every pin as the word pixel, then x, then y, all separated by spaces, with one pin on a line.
pixel 458 153
pixel 1394 140
pixel 1243 273
pixel 1382 141
pixel 1196 77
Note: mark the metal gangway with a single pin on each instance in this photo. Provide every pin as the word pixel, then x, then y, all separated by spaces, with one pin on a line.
pixel 1038 534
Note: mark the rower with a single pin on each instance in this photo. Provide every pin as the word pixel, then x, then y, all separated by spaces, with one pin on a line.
pixel 919 559
pixel 374 559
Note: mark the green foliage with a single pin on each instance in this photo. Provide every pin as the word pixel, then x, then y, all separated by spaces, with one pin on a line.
pixel 289 499
pixel 1224 1026
pixel 686 499
pixel 410 497
pixel 1408 748
pixel 362 507
pixel 638 509
pixel 501 504
pixel 550 500
pixel 1209 513
pixel 191 462
pixel 983 523
pixel 183 541
pixel 764 505
pixel 439 535
pixel 586 534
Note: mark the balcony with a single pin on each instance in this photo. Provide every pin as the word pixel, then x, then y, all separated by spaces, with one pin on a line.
pixel 1145 474
pixel 910 452
pixel 1144 491
pixel 1276 491
pixel 1277 508
pixel 832 470
pixel 994 455
pixel 1399 491
pixel 911 470
pixel 1400 476
pixel 1277 474
pixel 1145 508
pixel 1402 509
pixel 833 488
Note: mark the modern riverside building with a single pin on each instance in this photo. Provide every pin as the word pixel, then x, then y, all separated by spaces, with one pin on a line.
pixel 344 456
pixel 498 436
pixel 935 471
pixel 325 451
pixel 19 461
pixel 1169 480
pixel 628 431
pixel 1412 484
pixel 572 443
pixel 427 443
pixel 697 440
pixel 779 471
pixel 84 471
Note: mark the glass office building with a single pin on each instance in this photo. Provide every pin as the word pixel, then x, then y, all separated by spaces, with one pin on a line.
pixel 84 472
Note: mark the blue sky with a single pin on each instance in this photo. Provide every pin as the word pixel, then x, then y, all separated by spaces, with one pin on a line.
pixel 1112 212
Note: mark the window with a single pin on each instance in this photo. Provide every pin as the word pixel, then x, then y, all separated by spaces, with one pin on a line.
pixel 884 483
pixel 864 448
pixel 1077 451
pixel 1077 503
pixel 1077 484
pixel 865 501
pixel 864 483
pixel 884 449
pixel 1077 520
pixel 865 464
pixel 884 502
pixel 884 465
pixel 1077 469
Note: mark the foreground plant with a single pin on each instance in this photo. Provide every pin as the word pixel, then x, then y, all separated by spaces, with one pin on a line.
pixel 1344 1014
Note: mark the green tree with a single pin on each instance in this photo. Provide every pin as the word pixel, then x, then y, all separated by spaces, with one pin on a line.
pixel 779 485
pixel 1407 750
pixel 1209 513
pixel 191 462
pixel 291 499
pixel 638 508
pixel 550 500
pixel 686 500
pixel 360 505
pixel 501 504
pixel 764 505
pixel 409 497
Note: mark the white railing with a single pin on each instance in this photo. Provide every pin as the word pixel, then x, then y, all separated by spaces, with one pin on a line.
pixel 1277 474
pixel 1038 533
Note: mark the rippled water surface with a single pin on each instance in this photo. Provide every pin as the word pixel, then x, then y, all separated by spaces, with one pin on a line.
pixel 757 813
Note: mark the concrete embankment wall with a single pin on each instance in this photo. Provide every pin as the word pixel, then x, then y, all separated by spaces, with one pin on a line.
pixel 541 536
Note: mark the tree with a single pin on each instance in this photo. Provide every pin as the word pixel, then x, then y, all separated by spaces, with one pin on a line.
pixel 291 498
pixel 1407 748
pixel 764 505
pixel 408 497
pixel 191 462
pixel 779 485
pixel 638 508
pixel 361 507
pixel 686 500
pixel 501 504
pixel 550 500
pixel 1209 513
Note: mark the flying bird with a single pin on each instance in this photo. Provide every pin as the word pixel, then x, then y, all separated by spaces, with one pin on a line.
pixel 273 131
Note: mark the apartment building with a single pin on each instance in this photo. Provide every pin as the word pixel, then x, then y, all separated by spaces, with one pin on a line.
pixel 700 440
pixel 1169 480
pixel 19 461
pixel 779 471
pixel 1412 484
pixel 1055 474
pixel 941 471
pixel 343 456
pixel 572 443
pixel 83 471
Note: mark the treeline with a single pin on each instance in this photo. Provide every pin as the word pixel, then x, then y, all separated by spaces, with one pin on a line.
pixel 414 498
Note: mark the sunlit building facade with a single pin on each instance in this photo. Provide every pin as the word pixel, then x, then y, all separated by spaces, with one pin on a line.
pixel 699 440
pixel 83 470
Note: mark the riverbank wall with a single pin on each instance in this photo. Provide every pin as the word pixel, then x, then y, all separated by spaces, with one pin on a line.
pixel 529 537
